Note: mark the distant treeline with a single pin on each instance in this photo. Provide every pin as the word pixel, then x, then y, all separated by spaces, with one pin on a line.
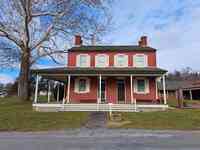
pixel 184 74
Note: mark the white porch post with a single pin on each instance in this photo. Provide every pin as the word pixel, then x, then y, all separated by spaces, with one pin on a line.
pixel 156 88
pixel 58 91
pixel 131 79
pixel 68 88
pixel 64 96
pixel 132 98
pixel 36 89
pixel 164 90
pixel 191 95
pixel 99 101
pixel 49 90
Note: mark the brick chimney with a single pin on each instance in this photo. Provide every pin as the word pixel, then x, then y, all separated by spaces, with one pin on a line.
pixel 78 40
pixel 143 41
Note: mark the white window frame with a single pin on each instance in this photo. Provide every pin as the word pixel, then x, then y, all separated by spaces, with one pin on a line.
pixel 106 64
pixel 87 59
pixel 146 81
pixel 116 60
pixel 145 60
pixel 76 86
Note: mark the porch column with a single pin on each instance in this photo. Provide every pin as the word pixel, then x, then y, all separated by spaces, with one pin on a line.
pixel 68 88
pixel 58 91
pixel 36 89
pixel 131 82
pixel 99 100
pixel 191 95
pixel 156 87
pixel 49 90
pixel 64 96
pixel 164 90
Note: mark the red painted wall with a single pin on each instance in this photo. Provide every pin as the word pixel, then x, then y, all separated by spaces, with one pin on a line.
pixel 111 85
pixel 151 57
pixel 111 91
pixel 84 97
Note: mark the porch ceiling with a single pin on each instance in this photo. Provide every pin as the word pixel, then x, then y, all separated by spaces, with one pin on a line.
pixel 61 73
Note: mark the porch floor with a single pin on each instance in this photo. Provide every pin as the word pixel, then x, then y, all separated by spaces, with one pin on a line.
pixel 99 107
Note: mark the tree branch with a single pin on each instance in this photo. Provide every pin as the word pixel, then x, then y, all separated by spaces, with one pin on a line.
pixel 3 33
pixel 47 54
pixel 44 38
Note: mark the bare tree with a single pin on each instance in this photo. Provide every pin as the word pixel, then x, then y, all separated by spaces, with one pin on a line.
pixel 32 29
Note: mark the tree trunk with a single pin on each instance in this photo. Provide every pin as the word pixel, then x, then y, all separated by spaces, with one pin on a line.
pixel 24 76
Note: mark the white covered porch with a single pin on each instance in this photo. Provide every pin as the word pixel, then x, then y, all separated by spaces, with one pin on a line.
pixel 65 104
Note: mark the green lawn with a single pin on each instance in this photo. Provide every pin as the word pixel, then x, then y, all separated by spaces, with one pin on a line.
pixel 19 116
pixel 176 119
pixel 174 102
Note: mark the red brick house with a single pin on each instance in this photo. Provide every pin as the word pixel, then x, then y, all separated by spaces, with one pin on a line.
pixel 108 74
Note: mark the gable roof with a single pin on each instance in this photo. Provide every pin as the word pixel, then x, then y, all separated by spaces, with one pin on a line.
pixel 112 48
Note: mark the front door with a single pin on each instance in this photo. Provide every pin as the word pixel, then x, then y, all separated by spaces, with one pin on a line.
pixel 121 91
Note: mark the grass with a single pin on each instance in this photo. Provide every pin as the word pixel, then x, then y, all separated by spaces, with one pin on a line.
pixel 16 115
pixel 177 119
pixel 174 102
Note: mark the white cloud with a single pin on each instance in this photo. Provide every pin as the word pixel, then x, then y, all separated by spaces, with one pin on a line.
pixel 4 79
pixel 172 27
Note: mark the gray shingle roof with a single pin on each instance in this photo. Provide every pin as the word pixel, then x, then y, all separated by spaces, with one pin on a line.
pixel 112 48
pixel 104 71
pixel 173 84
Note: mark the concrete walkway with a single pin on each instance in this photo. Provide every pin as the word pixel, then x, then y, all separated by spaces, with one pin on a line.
pixel 96 120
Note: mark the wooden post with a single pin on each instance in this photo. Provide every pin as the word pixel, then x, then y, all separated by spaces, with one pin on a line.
pixel 131 82
pixel 191 95
pixel 36 89
pixel 49 91
pixel 180 98
pixel 68 88
pixel 58 92
pixel 156 88
pixel 164 90
pixel 99 89
pixel 64 96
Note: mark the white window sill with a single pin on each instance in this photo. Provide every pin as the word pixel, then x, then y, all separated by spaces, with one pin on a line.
pixel 144 93
pixel 82 92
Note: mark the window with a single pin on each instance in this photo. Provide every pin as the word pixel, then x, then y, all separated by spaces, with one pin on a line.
pixel 121 60
pixel 101 60
pixel 140 60
pixel 141 86
pixel 83 60
pixel 82 85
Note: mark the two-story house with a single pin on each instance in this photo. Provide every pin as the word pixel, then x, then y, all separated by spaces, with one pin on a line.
pixel 108 74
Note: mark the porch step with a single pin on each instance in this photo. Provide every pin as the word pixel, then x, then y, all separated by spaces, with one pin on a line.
pixel 116 116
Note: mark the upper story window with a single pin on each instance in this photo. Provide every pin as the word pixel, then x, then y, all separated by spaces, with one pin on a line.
pixel 140 60
pixel 121 60
pixel 83 60
pixel 101 60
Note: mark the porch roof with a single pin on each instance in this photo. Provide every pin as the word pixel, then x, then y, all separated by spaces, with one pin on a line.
pixel 150 71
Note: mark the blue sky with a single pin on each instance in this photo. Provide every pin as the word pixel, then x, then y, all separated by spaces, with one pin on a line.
pixel 172 26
